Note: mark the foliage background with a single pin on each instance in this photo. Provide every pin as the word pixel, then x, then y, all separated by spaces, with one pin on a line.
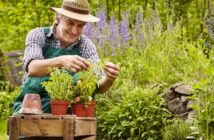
pixel 18 17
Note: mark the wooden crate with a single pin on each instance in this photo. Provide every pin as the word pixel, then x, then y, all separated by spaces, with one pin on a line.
pixel 68 127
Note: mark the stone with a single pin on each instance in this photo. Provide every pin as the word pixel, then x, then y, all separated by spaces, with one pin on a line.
pixel 177 106
pixel 184 90
pixel 177 99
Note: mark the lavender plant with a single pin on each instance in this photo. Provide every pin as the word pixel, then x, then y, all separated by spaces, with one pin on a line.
pixel 139 21
pixel 113 29
pixel 88 30
pixel 124 26
pixel 163 59
pixel 100 27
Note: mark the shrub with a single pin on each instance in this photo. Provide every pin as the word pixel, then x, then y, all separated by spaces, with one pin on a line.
pixel 176 131
pixel 141 114
pixel 6 102
pixel 204 105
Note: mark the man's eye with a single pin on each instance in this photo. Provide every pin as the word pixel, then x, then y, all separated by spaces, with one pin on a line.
pixel 70 23
pixel 81 26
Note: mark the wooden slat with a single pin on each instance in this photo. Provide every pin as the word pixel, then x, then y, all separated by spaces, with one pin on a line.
pixel 84 126
pixel 41 127
pixel 14 128
pixel 68 131
pixel 90 138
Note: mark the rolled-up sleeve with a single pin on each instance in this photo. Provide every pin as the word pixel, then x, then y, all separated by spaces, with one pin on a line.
pixel 88 49
pixel 35 41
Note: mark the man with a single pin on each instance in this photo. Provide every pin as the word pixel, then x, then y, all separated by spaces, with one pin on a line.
pixel 61 45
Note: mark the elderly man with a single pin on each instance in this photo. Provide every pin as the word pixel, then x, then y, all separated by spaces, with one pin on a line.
pixel 61 45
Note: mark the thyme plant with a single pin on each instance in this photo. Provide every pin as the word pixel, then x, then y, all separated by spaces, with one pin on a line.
pixel 59 85
pixel 87 84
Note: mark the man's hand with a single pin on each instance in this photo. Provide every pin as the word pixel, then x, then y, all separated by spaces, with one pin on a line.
pixel 111 71
pixel 73 63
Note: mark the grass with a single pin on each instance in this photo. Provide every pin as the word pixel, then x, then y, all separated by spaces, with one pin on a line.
pixel 3 129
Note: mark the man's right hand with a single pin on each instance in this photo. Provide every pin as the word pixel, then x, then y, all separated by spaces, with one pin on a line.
pixel 73 63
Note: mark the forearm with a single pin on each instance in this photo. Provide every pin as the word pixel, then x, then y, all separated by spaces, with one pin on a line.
pixel 104 85
pixel 41 67
pixel 73 63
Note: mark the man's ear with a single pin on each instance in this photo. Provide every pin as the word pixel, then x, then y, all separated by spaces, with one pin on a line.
pixel 58 17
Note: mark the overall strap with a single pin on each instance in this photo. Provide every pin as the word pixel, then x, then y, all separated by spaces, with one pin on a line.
pixel 46 30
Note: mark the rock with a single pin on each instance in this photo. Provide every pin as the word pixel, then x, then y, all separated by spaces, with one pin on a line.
pixel 184 116
pixel 177 100
pixel 190 118
pixel 189 104
pixel 177 106
pixel 169 95
pixel 184 89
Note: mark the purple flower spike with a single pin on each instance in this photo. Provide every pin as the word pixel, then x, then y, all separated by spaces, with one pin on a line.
pixel 155 19
pixel 139 17
pixel 139 21
pixel 102 21
pixel 113 32
pixel 100 25
pixel 98 37
pixel 88 30
pixel 124 30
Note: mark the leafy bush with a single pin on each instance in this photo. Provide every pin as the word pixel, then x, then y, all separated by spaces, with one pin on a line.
pixel 176 131
pixel 3 129
pixel 6 102
pixel 204 105
pixel 141 114
pixel 160 60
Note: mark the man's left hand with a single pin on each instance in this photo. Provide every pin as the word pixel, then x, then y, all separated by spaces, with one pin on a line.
pixel 111 71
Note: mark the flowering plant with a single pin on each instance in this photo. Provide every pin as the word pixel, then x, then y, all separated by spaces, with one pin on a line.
pixel 86 84
pixel 84 88
pixel 61 85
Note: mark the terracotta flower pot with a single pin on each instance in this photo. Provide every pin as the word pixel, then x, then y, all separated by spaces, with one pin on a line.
pixel 31 104
pixel 82 110
pixel 59 107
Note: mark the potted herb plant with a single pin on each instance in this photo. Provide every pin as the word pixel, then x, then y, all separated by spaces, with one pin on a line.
pixel 59 88
pixel 63 90
pixel 82 102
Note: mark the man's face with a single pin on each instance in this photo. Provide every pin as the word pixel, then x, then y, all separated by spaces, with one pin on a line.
pixel 69 30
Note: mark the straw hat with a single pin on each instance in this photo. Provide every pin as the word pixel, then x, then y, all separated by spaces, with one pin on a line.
pixel 76 9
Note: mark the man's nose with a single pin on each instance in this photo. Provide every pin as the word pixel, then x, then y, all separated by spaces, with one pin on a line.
pixel 74 30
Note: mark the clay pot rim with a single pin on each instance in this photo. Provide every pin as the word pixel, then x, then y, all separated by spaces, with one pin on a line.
pixel 93 102
pixel 62 102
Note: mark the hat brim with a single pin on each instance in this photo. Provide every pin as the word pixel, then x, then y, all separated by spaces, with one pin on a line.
pixel 81 17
